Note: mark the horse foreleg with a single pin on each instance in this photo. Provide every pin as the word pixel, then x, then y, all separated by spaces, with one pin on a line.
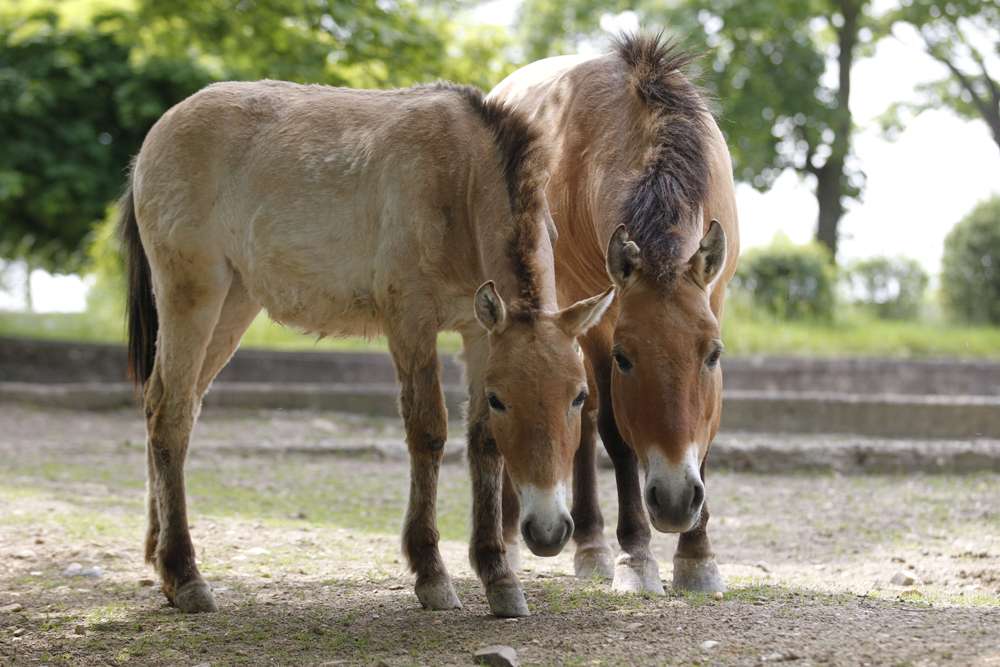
pixel 426 421
pixel 511 510
pixel 695 568
pixel 636 569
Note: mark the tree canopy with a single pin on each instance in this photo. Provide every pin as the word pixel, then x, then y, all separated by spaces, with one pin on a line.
pixel 780 72
pixel 76 100
pixel 964 36
pixel 74 107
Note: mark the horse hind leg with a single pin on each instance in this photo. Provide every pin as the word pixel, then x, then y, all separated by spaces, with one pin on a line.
pixel 425 418
pixel 189 309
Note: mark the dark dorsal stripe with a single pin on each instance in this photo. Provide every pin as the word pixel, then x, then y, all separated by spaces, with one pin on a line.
pixel 523 163
pixel 673 183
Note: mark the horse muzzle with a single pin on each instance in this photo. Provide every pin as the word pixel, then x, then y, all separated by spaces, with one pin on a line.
pixel 674 494
pixel 547 524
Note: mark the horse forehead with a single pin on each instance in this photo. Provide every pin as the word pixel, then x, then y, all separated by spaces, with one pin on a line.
pixel 670 315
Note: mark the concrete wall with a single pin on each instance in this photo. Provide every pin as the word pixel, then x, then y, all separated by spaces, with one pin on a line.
pixel 50 362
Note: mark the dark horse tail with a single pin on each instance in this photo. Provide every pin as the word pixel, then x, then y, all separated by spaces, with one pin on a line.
pixel 140 306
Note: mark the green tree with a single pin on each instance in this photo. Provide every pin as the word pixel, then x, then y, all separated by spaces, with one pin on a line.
pixel 962 35
pixel 970 267
pixel 74 108
pixel 891 288
pixel 766 67
pixel 369 43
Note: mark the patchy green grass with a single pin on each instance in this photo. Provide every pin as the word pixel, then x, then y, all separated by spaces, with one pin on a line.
pixel 857 335
pixel 745 333
pixel 263 333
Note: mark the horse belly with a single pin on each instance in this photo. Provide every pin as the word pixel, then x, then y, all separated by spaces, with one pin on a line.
pixel 311 270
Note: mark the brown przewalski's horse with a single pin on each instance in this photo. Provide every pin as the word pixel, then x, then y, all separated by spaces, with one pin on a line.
pixel 344 212
pixel 641 188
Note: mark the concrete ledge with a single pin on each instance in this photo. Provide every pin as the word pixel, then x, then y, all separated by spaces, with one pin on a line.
pixel 892 416
pixel 57 362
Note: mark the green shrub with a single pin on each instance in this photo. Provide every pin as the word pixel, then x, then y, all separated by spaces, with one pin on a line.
pixel 106 272
pixel 789 281
pixel 891 288
pixel 970 268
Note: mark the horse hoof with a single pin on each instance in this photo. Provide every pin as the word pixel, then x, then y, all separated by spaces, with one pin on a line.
pixel 594 563
pixel 514 556
pixel 700 575
pixel 637 575
pixel 507 600
pixel 195 597
pixel 438 595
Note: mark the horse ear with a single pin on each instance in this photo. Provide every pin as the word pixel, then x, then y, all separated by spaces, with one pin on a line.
pixel 624 260
pixel 490 311
pixel 576 319
pixel 711 255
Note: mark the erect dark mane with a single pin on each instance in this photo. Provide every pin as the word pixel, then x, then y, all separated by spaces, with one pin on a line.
pixel 673 183
pixel 523 160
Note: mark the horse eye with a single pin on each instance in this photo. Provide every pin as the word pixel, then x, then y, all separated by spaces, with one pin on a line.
pixel 624 365
pixel 495 403
pixel 580 398
pixel 713 357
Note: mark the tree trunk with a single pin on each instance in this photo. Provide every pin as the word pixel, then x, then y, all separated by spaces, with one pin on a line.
pixel 830 178
pixel 29 299
pixel 829 193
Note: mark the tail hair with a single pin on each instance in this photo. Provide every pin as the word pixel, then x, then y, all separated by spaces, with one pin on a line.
pixel 140 306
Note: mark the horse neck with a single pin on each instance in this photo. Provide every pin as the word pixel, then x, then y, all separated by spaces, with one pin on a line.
pixel 521 270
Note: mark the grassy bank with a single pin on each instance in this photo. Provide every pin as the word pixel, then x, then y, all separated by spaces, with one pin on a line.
pixel 852 334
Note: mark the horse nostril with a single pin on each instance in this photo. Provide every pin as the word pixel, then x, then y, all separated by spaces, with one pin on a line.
pixel 698 497
pixel 567 530
pixel 652 501
pixel 526 530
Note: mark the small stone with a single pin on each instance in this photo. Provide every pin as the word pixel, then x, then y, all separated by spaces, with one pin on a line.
pixel 204 664
pixel 903 579
pixel 497 656
pixel 11 608
pixel 258 551
pixel 709 644
pixel 396 587
pixel 633 627
pixel 18 632
pixel 26 554
pixel 77 570
pixel 718 595
pixel 147 582
pixel 79 629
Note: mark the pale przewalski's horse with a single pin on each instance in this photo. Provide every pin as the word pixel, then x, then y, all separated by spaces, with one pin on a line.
pixel 642 189
pixel 344 212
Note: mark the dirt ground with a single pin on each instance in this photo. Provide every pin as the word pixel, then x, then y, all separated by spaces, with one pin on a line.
pixel 302 548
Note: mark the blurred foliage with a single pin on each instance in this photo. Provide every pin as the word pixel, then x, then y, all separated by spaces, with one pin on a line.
pixel 891 288
pixel 78 95
pixel 367 43
pixel 106 294
pixel 74 107
pixel 970 267
pixel 765 67
pixel 962 35
pixel 789 281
